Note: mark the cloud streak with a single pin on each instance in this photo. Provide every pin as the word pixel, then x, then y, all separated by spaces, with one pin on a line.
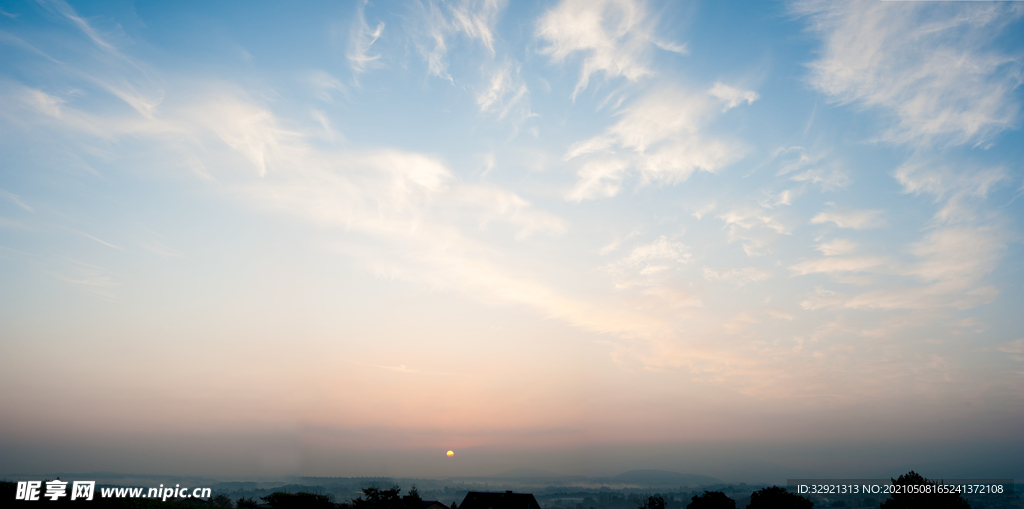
pixel 929 65
pixel 614 37
pixel 662 133
pixel 361 41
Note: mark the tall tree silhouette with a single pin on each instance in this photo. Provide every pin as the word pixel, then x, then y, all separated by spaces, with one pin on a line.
pixel 777 498
pixel 389 498
pixel 906 500
pixel 281 500
pixel 377 498
pixel 711 500
pixel 651 502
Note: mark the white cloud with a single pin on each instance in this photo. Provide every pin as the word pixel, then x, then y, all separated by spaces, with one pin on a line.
pixel 1015 348
pixel 614 36
pixel 780 314
pixel 598 179
pixel 751 218
pixel 786 197
pixel 398 199
pixel 701 211
pixel 101 241
pixel 828 180
pixel 88 277
pixel 661 249
pixel 160 249
pixel 738 277
pixel 836 247
pixel 732 96
pixel 957 257
pixel 929 64
pixel 15 199
pixel 949 267
pixel 44 102
pixel 964 190
pixel 656 117
pixel 794 157
pixel 409 215
pixel 505 92
pixel 755 228
pixel 121 76
pixel 804 166
pixel 838 264
pixel 476 19
pixel 924 176
pixel 473 18
pixel 437 56
pixel 780 198
pixel 672 298
pixel 855 219
pixel 324 85
pixel 64 9
pixel 247 128
pixel 662 130
pixel 361 39
pixel 498 204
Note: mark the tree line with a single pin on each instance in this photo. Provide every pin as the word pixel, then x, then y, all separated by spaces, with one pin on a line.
pixel 780 498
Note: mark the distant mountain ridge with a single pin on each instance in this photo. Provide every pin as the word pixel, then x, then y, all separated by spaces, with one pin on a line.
pixel 664 478
pixel 642 478
pixel 533 473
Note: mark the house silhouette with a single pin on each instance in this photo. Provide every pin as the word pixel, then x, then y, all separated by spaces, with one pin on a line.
pixel 499 500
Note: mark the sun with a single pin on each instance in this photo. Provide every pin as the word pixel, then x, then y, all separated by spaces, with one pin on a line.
pixel 451 453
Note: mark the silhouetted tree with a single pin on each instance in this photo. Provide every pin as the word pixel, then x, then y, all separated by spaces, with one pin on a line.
pixel 221 500
pixel 454 506
pixel 711 500
pixel 922 500
pixel 377 498
pixel 413 499
pixel 280 500
pixel 777 498
pixel 246 503
pixel 651 502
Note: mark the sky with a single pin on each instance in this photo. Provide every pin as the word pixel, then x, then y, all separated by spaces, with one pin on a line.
pixel 739 239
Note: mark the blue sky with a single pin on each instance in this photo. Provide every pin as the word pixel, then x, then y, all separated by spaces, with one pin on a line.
pixel 342 238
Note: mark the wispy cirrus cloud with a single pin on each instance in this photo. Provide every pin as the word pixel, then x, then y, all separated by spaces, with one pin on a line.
pixel 325 85
pixel 946 269
pixel 505 92
pixel 125 77
pixel 442 20
pixel 88 277
pixel 614 37
pixel 15 199
pixel 839 264
pixel 396 202
pixel 836 247
pixel 653 257
pixel 361 40
pixel 811 167
pixel 732 96
pixel 754 227
pixel 494 203
pixel 476 19
pixel 930 65
pixel 963 190
pixel 853 219
pixel 661 133
pixel 738 277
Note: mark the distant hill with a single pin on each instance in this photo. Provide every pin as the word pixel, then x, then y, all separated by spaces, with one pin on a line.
pixel 527 473
pixel 663 478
